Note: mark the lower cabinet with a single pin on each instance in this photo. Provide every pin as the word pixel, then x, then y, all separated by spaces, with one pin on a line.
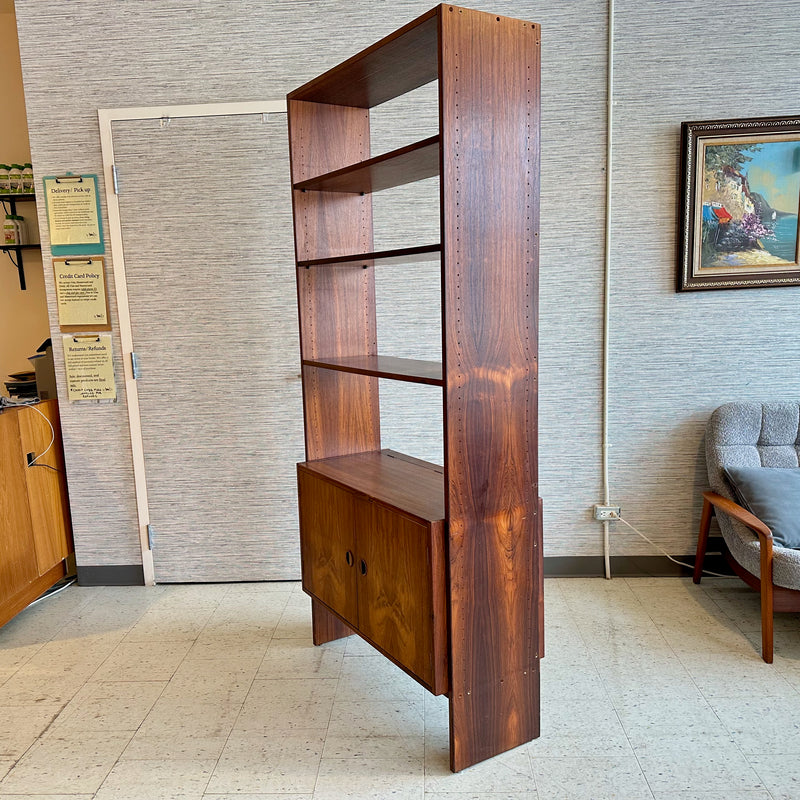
pixel 379 569
pixel 35 528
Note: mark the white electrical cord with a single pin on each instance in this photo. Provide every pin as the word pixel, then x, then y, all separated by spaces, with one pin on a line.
pixel 52 593
pixel 657 547
pixel 607 278
pixel 31 404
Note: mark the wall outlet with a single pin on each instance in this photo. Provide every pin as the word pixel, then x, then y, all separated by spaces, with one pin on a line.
pixel 605 513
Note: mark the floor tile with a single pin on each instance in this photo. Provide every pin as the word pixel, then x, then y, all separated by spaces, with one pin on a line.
pixel 156 780
pixel 577 727
pixel 686 763
pixel 259 796
pixel 72 765
pixel 531 795
pixel 353 779
pixel 168 625
pixel 376 678
pixel 288 658
pixel 284 705
pixel 762 724
pixel 730 794
pixel 508 772
pixel 614 777
pixel 653 716
pixel 143 660
pixel 21 726
pixel 175 742
pixel 781 776
pixel 248 704
pixel 397 718
pixel 109 706
pixel 254 763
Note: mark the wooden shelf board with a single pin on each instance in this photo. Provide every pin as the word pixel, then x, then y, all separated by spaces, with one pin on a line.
pixel 398 369
pixel 405 255
pixel 408 484
pixel 17 196
pixel 399 63
pixel 408 164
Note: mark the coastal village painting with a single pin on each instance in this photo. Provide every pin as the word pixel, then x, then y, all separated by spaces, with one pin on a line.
pixel 745 201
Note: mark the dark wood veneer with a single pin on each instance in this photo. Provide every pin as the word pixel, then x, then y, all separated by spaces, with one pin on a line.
pixel 399 369
pixel 409 164
pixel 485 596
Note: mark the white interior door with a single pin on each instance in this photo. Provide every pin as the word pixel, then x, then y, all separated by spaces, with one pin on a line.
pixel 205 218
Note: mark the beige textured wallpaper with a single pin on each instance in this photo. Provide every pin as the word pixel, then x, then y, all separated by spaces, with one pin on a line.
pixel 673 357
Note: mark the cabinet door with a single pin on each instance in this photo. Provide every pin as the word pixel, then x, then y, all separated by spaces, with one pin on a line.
pixel 327 544
pixel 395 604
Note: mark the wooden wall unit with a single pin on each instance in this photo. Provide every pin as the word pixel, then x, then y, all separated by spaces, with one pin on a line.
pixel 35 530
pixel 440 568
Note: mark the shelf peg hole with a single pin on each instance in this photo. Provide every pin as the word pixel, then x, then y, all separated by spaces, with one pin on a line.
pixel 348 557
pixel 363 566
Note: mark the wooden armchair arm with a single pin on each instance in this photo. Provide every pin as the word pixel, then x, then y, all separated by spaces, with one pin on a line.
pixel 762 583
pixel 741 514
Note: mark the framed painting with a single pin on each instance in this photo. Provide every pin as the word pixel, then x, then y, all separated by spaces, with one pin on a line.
pixel 740 198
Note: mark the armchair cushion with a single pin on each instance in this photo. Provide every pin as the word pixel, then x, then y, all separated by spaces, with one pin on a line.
pixel 773 495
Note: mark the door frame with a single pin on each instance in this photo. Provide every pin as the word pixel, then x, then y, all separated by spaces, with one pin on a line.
pixel 106 117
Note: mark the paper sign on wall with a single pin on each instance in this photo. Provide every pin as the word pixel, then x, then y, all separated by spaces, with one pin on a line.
pixel 90 367
pixel 73 214
pixel 81 293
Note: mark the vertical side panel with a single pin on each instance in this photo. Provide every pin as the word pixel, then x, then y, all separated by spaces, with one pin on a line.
pixel 489 85
pixel 47 485
pixel 336 305
pixel 17 554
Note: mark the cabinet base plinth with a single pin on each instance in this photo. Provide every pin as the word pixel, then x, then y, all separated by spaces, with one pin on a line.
pixel 326 627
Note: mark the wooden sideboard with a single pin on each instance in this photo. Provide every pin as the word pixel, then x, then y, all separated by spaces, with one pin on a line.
pixel 35 528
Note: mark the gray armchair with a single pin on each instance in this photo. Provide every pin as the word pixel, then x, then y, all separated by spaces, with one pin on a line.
pixel 747 434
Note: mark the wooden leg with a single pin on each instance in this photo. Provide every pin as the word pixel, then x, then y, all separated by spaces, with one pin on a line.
pixel 702 540
pixel 766 601
pixel 326 627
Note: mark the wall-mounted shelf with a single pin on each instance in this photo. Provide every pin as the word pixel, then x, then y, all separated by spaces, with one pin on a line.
pixel 16 249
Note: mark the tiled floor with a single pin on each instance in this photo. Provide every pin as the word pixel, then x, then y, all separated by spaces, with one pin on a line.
pixel 651 688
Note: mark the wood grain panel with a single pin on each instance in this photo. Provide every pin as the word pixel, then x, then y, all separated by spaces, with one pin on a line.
pixel 400 62
pixel 18 565
pixel 489 87
pixel 328 535
pixel 409 164
pixel 395 589
pixel 47 485
pixel 337 305
pixel 408 484
pixel 399 369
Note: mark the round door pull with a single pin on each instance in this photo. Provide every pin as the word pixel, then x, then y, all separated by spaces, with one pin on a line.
pixel 363 565
pixel 348 557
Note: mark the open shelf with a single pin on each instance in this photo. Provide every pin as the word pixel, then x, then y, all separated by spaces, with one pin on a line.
pixel 404 255
pixel 399 63
pixel 397 369
pixel 408 164
pixel 398 480
pixel 6 196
